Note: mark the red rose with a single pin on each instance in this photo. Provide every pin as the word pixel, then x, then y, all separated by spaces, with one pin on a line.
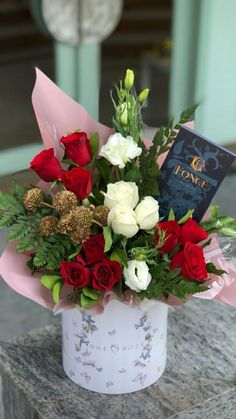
pixel 191 262
pixel 46 165
pixel 75 274
pixel 106 274
pixel 79 181
pixel 77 148
pixel 172 235
pixel 80 259
pixel 192 232
pixel 94 249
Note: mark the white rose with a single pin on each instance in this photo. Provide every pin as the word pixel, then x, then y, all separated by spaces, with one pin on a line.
pixel 147 213
pixel 121 193
pixel 119 150
pixel 137 275
pixel 123 221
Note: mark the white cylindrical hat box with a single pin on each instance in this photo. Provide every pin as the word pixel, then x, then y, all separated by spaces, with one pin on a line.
pixel 121 350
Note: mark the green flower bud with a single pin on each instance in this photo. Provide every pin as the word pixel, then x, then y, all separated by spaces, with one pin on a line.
pixel 122 94
pixel 129 79
pixel 143 95
pixel 123 114
pixel 140 257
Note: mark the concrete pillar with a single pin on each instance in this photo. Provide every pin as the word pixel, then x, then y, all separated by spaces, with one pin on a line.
pixel 215 86
pixel 204 65
pixel 78 73
pixel 184 53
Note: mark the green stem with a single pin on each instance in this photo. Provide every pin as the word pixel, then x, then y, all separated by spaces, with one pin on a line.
pixel 46 205
pixel 117 173
pixel 60 185
pixel 122 173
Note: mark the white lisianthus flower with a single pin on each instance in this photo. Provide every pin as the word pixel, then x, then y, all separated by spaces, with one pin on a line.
pixel 137 275
pixel 122 220
pixel 119 150
pixel 121 193
pixel 147 213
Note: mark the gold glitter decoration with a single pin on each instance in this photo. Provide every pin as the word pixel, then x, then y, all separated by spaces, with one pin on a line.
pixel 83 216
pixel 80 234
pixel 48 225
pixel 32 199
pixel 66 223
pixel 100 214
pixel 78 218
pixel 64 201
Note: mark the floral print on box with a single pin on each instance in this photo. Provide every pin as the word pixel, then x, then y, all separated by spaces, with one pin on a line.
pixel 119 351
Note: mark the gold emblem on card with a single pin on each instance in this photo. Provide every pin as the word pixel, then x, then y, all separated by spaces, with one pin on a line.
pixel 198 164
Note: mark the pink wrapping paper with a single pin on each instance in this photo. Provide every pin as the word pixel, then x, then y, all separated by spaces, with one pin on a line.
pixel 222 288
pixel 17 275
pixel 57 114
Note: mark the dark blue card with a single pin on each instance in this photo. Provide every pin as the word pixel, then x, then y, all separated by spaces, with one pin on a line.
pixel 191 174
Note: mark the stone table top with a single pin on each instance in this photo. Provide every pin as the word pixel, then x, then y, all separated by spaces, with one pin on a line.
pixel 199 381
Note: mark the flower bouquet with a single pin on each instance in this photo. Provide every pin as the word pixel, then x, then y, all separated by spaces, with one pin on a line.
pixel 88 241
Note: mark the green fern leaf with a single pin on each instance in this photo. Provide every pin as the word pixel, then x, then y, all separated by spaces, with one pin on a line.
pixel 51 251
pixel 7 201
pixel 6 220
pixel 18 191
pixel 19 230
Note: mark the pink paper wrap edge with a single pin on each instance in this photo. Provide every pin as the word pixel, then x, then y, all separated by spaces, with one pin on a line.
pixel 56 113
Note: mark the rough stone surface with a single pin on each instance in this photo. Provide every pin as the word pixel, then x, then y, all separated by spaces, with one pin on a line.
pixel 199 380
